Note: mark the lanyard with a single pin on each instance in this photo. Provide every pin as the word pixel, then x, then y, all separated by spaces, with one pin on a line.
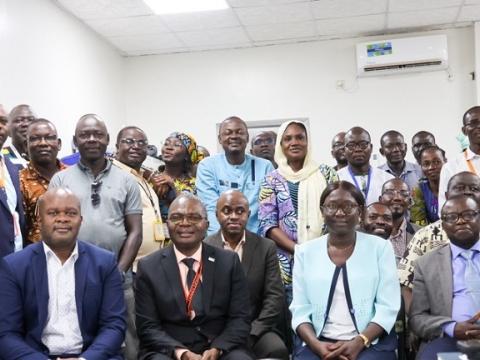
pixel 193 289
pixel 469 164
pixel 147 192
pixel 366 190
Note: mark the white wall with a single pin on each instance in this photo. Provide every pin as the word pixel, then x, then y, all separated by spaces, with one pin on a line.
pixel 192 92
pixel 57 65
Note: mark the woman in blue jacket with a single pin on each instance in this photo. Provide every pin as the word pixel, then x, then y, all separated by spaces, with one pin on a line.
pixel 346 294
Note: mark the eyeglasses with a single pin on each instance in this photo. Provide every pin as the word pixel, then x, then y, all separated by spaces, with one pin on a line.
pixel 130 142
pixel 393 192
pixel 266 141
pixel 333 208
pixel 191 218
pixel 38 139
pixel 467 215
pixel 338 145
pixel 362 145
pixel 95 196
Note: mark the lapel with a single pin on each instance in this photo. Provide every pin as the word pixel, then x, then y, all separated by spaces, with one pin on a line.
pixel 39 268
pixel 249 249
pixel 443 267
pixel 208 260
pixel 81 271
pixel 12 170
pixel 170 267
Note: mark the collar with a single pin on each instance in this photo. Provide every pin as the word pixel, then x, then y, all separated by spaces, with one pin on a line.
pixel 33 174
pixel 456 250
pixel 85 168
pixel 127 168
pixel 197 256
pixel 471 155
pixel 49 253
pixel 401 230
pixel 240 243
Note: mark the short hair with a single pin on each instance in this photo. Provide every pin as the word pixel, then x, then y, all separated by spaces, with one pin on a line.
pixel 454 177
pixel 391 133
pixel 459 197
pixel 120 133
pixel 343 185
pixel 358 130
pixel 231 118
pixel 423 132
pixel 376 203
pixel 41 121
pixel 189 196
pixel 432 148
pixel 271 133
pixel 18 107
pixel 472 109
pixel 392 180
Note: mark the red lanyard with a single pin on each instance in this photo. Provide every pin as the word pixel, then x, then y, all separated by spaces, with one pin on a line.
pixel 469 164
pixel 193 289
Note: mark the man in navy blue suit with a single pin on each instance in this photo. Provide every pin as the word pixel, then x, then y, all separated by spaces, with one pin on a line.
pixel 12 220
pixel 61 298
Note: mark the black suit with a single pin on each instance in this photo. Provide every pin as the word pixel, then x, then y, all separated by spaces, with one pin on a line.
pixel 260 264
pixel 162 322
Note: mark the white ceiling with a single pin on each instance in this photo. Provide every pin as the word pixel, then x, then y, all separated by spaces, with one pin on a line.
pixel 134 30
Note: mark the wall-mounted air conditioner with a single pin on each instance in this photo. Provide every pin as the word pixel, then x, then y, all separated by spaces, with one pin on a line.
pixel 398 56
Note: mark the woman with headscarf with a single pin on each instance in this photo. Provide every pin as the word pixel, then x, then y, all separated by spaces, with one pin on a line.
pixel 290 196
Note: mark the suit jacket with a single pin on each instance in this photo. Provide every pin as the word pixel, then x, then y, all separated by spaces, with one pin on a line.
pixel 7 230
pixel 432 293
pixel 260 264
pixel 24 303
pixel 162 322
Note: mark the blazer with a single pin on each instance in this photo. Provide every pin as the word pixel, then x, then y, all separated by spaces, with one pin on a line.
pixel 162 322
pixel 432 293
pixel 260 264
pixel 7 230
pixel 24 303
pixel 372 279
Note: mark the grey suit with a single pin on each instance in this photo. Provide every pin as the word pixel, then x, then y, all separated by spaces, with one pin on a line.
pixel 260 264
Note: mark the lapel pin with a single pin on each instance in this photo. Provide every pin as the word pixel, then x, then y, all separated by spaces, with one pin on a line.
pixel 211 259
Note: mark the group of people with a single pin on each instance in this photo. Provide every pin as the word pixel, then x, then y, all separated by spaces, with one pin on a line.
pixel 237 255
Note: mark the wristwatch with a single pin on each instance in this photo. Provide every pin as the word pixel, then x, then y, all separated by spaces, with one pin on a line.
pixel 366 342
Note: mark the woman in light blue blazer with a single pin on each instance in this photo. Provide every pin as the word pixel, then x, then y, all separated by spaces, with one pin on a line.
pixel 346 294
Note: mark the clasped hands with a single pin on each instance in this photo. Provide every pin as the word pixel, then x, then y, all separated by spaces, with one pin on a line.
pixel 210 354
pixel 340 350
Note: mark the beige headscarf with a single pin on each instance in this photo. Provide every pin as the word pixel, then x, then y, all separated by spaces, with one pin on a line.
pixel 312 184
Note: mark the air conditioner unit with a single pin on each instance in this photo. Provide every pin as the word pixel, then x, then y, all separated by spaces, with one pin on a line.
pixel 398 56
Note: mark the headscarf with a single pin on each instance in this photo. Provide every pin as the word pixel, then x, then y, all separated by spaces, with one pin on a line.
pixel 312 184
pixel 190 144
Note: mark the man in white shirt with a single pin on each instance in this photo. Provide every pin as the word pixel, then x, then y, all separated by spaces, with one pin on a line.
pixel 61 298
pixel 468 160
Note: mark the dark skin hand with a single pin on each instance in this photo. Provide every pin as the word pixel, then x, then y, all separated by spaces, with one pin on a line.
pixel 133 225
pixel 211 354
pixel 467 330
pixel 162 184
pixel 189 355
pixel 281 239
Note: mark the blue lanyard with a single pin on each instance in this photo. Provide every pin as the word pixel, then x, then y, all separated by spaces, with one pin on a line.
pixel 365 193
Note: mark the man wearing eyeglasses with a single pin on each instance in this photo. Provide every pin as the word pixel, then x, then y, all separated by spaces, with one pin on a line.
pixel 19 119
pixel 394 149
pixel 446 286
pixel 469 159
pixel 366 178
pixel 43 146
pixel 191 298
pixel 110 199
pixel 396 195
pixel 263 146
pixel 12 220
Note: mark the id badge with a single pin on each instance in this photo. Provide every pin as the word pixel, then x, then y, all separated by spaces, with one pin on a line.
pixel 158 234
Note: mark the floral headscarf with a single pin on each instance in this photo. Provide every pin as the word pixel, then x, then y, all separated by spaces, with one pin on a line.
pixel 190 144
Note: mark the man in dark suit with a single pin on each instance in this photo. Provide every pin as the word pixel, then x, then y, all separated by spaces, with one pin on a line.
pixel 190 297
pixel 12 220
pixel 260 264
pixel 61 298
pixel 446 285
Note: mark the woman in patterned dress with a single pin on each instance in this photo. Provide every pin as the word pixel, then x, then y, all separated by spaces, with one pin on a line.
pixel 290 196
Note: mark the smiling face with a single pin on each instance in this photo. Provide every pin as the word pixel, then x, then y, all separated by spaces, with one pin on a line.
pixel 173 151
pixel 42 143
pixel 232 212
pixel 19 120
pixel 341 212
pixel 294 143
pixel 460 221
pixel 132 147
pixel 233 136
pixel 91 138
pixel 378 220
pixel 396 195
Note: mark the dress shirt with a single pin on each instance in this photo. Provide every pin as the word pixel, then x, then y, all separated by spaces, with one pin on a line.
pixel 238 249
pixel 62 334
pixel 183 269
pixel 455 166
pixel 463 308
pixel 14 156
pixel 411 173
pixel 399 241
pixel 12 203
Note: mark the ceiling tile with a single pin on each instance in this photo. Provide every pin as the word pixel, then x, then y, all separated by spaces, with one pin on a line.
pixel 137 25
pixel 359 25
pixel 325 9
pixel 282 31
pixel 146 42
pixel 105 9
pixel 406 5
pixel 201 20
pixel 469 13
pixel 421 18
pixel 275 14
pixel 252 3
pixel 214 37
pixel 157 51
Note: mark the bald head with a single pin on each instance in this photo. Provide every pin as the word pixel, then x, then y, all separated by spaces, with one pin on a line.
pixel 3 112
pixel 355 131
pixel 232 196
pixel 187 199
pixel 232 214
pixel 58 193
pixel 89 119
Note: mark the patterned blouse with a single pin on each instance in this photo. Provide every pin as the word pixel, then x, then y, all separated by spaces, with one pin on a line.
pixel 425 208
pixel 277 210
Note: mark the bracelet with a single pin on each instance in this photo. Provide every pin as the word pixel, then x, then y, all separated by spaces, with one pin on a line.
pixel 366 342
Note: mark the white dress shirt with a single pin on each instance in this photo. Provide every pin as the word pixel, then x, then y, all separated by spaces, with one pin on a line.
pixel 62 334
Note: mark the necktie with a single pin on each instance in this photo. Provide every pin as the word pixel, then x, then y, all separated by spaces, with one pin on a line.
pixel 197 298
pixel 472 278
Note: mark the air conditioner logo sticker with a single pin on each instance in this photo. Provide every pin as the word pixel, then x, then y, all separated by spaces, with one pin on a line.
pixel 379 49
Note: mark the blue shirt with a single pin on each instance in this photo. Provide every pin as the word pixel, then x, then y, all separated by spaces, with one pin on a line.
pixel 216 175
pixel 463 308
pixel 410 175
